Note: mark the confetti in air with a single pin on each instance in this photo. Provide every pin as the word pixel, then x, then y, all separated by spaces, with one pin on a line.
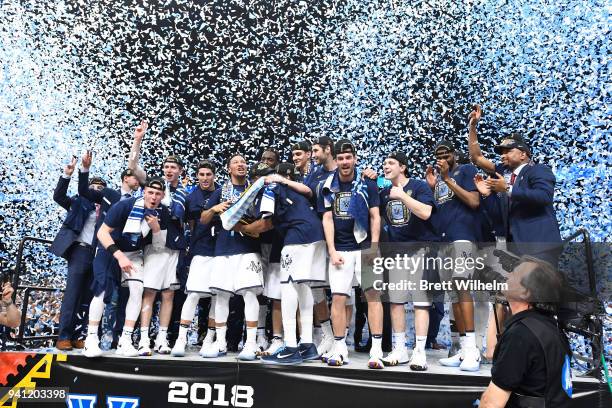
pixel 215 77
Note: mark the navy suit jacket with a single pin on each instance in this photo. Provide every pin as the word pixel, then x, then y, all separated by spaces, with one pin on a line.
pixel 531 215
pixel 105 197
pixel 78 211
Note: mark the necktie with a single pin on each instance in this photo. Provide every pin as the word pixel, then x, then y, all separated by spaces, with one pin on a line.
pixel 512 178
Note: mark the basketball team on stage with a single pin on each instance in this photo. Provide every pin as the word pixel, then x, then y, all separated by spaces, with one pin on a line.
pixel 294 234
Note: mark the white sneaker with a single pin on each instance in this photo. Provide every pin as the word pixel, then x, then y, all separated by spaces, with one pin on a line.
pixel 375 360
pixel 248 352
pixel 454 361
pixel 338 356
pixel 208 341
pixel 92 347
pixel 214 350
pixel 262 343
pixel 418 360
pixel 399 355
pixel 471 360
pixel 325 346
pixel 143 348
pixel 179 348
pixel 276 345
pixel 125 348
pixel 162 347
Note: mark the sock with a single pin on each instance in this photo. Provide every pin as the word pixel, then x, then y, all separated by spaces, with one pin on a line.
pixel 317 332
pixel 462 340
pixel 221 331
pixel 210 335
pixel 376 343
pixel 399 340
pixel 339 342
pixel 327 329
pixel 261 332
pixel 92 329
pixel 161 335
pixel 251 334
pixel 182 334
pixel 420 343
pixel 144 335
pixel 289 306
pixel 127 332
pixel 470 339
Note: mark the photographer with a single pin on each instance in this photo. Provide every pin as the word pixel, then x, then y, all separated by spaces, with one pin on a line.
pixel 10 316
pixel 531 363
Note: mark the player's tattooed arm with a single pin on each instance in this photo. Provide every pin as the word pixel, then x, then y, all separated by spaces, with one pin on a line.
pixel 133 165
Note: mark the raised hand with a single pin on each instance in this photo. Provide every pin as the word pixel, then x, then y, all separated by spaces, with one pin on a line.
pixel 140 130
pixel 69 169
pixel 86 160
pixel 474 116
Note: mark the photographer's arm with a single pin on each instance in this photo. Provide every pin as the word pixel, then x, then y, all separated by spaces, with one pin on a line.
pixel 494 397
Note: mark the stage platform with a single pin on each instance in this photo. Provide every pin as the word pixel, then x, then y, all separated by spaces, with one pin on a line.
pixel 191 381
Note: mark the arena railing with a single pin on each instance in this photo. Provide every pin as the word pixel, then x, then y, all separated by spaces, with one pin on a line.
pixel 27 290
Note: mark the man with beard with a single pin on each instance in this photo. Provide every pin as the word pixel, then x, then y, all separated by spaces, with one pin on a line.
pixel 238 269
pixel 351 222
pixel 525 191
pixel 458 224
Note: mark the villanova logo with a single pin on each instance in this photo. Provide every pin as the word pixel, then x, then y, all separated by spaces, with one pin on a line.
pixel 286 261
pixel 89 401
pixel 256 267
pixel 442 193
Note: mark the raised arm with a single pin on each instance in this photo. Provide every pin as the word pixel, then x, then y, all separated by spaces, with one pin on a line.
pixel 139 133
pixel 92 195
pixel 476 155
pixel 60 194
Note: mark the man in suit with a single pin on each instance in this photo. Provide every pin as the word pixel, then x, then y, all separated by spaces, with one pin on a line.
pixel 75 242
pixel 106 197
pixel 527 207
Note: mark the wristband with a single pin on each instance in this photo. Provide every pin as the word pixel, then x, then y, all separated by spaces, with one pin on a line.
pixel 112 248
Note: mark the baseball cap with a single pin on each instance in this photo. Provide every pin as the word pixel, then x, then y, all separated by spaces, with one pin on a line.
pixel 97 180
pixel 156 183
pixel 344 146
pixel 301 145
pixel 127 173
pixel 514 141
pixel 174 159
pixel 399 156
pixel 445 144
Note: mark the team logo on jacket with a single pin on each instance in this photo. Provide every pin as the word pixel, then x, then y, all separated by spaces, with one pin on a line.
pixel 442 193
pixel 341 204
